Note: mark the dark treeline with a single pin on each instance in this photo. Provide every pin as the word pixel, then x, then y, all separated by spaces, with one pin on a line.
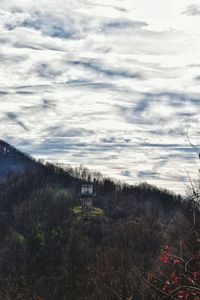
pixel 48 253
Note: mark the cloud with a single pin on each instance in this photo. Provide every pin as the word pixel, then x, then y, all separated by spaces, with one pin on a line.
pixel 45 70
pixel 13 117
pixel 126 173
pixel 111 86
pixel 116 25
pixel 100 69
pixel 146 174
pixel 158 108
pixel 192 10
pixel 47 24
pixel 3 93
pixel 59 131
pixel 12 58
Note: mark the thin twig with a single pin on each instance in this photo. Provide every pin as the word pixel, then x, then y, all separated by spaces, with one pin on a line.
pixel 155 287
pixel 112 290
pixel 193 146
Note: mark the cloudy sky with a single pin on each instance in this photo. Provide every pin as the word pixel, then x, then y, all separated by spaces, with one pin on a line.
pixel 113 85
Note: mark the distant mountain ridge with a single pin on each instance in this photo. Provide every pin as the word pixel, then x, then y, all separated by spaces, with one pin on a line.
pixel 13 161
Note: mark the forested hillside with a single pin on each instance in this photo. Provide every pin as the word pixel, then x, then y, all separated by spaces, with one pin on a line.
pixel 47 252
pixel 14 161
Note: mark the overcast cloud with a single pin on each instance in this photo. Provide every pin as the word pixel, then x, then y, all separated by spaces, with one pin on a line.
pixel 112 86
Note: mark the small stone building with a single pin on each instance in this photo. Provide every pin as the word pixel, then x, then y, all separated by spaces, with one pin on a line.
pixel 87 195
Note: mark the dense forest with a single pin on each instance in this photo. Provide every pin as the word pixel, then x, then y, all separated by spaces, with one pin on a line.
pixel 129 251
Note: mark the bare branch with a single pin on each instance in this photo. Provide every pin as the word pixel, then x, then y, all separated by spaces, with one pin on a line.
pixel 193 146
pixel 155 287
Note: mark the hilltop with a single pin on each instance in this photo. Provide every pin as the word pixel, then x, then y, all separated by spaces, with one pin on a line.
pixel 13 161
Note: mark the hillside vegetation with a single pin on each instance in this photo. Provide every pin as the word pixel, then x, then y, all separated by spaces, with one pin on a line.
pixel 50 250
